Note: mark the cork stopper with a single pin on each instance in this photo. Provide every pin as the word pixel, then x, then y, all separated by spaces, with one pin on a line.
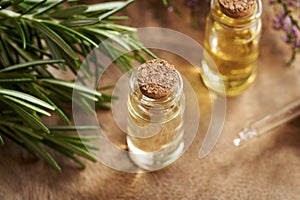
pixel 237 8
pixel 156 78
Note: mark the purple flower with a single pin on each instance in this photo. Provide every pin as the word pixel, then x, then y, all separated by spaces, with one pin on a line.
pixel 296 44
pixel 285 38
pixel 295 31
pixel 277 22
pixel 285 21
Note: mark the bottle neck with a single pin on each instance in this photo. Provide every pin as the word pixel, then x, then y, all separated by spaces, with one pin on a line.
pixel 169 101
pixel 155 110
pixel 218 15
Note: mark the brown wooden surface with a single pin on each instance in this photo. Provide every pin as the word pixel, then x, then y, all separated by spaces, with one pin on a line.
pixel 266 168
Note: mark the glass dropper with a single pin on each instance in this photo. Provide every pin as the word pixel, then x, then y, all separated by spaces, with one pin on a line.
pixel 268 122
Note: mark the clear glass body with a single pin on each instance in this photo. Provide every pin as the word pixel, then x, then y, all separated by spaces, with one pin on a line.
pixel 233 45
pixel 155 127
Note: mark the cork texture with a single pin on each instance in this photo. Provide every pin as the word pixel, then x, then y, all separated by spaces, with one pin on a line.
pixel 156 78
pixel 237 8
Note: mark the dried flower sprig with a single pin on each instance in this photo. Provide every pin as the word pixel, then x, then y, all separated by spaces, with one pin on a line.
pixel 286 20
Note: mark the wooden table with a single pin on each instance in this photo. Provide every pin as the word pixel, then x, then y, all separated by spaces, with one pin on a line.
pixel 265 168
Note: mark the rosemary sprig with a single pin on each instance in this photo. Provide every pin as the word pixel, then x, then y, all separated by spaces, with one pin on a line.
pixel 36 36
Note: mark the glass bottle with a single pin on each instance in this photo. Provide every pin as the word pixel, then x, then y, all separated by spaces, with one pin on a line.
pixel 232 42
pixel 155 125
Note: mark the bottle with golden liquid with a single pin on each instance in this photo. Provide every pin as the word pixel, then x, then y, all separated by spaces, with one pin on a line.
pixel 232 35
pixel 156 107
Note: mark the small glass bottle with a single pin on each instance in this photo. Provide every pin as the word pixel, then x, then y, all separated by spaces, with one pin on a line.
pixel 156 107
pixel 232 36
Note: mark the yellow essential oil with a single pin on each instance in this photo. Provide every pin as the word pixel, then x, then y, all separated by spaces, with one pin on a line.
pixel 232 42
pixel 156 108
pixel 149 133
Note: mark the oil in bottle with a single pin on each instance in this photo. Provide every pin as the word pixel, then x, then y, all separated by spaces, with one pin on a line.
pixel 231 41
pixel 156 107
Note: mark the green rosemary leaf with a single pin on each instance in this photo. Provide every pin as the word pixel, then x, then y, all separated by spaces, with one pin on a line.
pixel 74 86
pixel 60 92
pixel 31 64
pixel 15 80
pixel 47 8
pixel 69 12
pixel 12 119
pixel 27 131
pixel 35 108
pixel 114 36
pixel 83 138
pixel 6 13
pixel 85 75
pixel 70 62
pixel 21 32
pixel 55 53
pixel 10 134
pixel 34 6
pixel 1 140
pixel 140 57
pixel 67 94
pixel 108 98
pixel 88 106
pixel 115 10
pixel 71 128
pixel 34 145
pixel 32 47
pixel 5 57
pixel 117 18
pixel 16 75
pixel 106 87
pixel 88 96
pixel 165 2
pixel 79 162
pixel 3 28
pixel 53 36
pixel 16 2
pixel 104 6
pixel 26 97
pixel 115 52
pixel 25 54
pixel 68 36
pixel 29 118
pixel 58 110
pixel 80 22
pixel 139 46
pixel 76 33
pixel 49 158
pixel 80 144
pixel 116 27
pixel 72 148
pixel 103 106
pixel 83 152
pixel 65 152
pixel 48 1
pixel 85 50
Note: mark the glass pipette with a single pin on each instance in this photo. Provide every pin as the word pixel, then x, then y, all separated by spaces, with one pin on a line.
pixel 268 122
